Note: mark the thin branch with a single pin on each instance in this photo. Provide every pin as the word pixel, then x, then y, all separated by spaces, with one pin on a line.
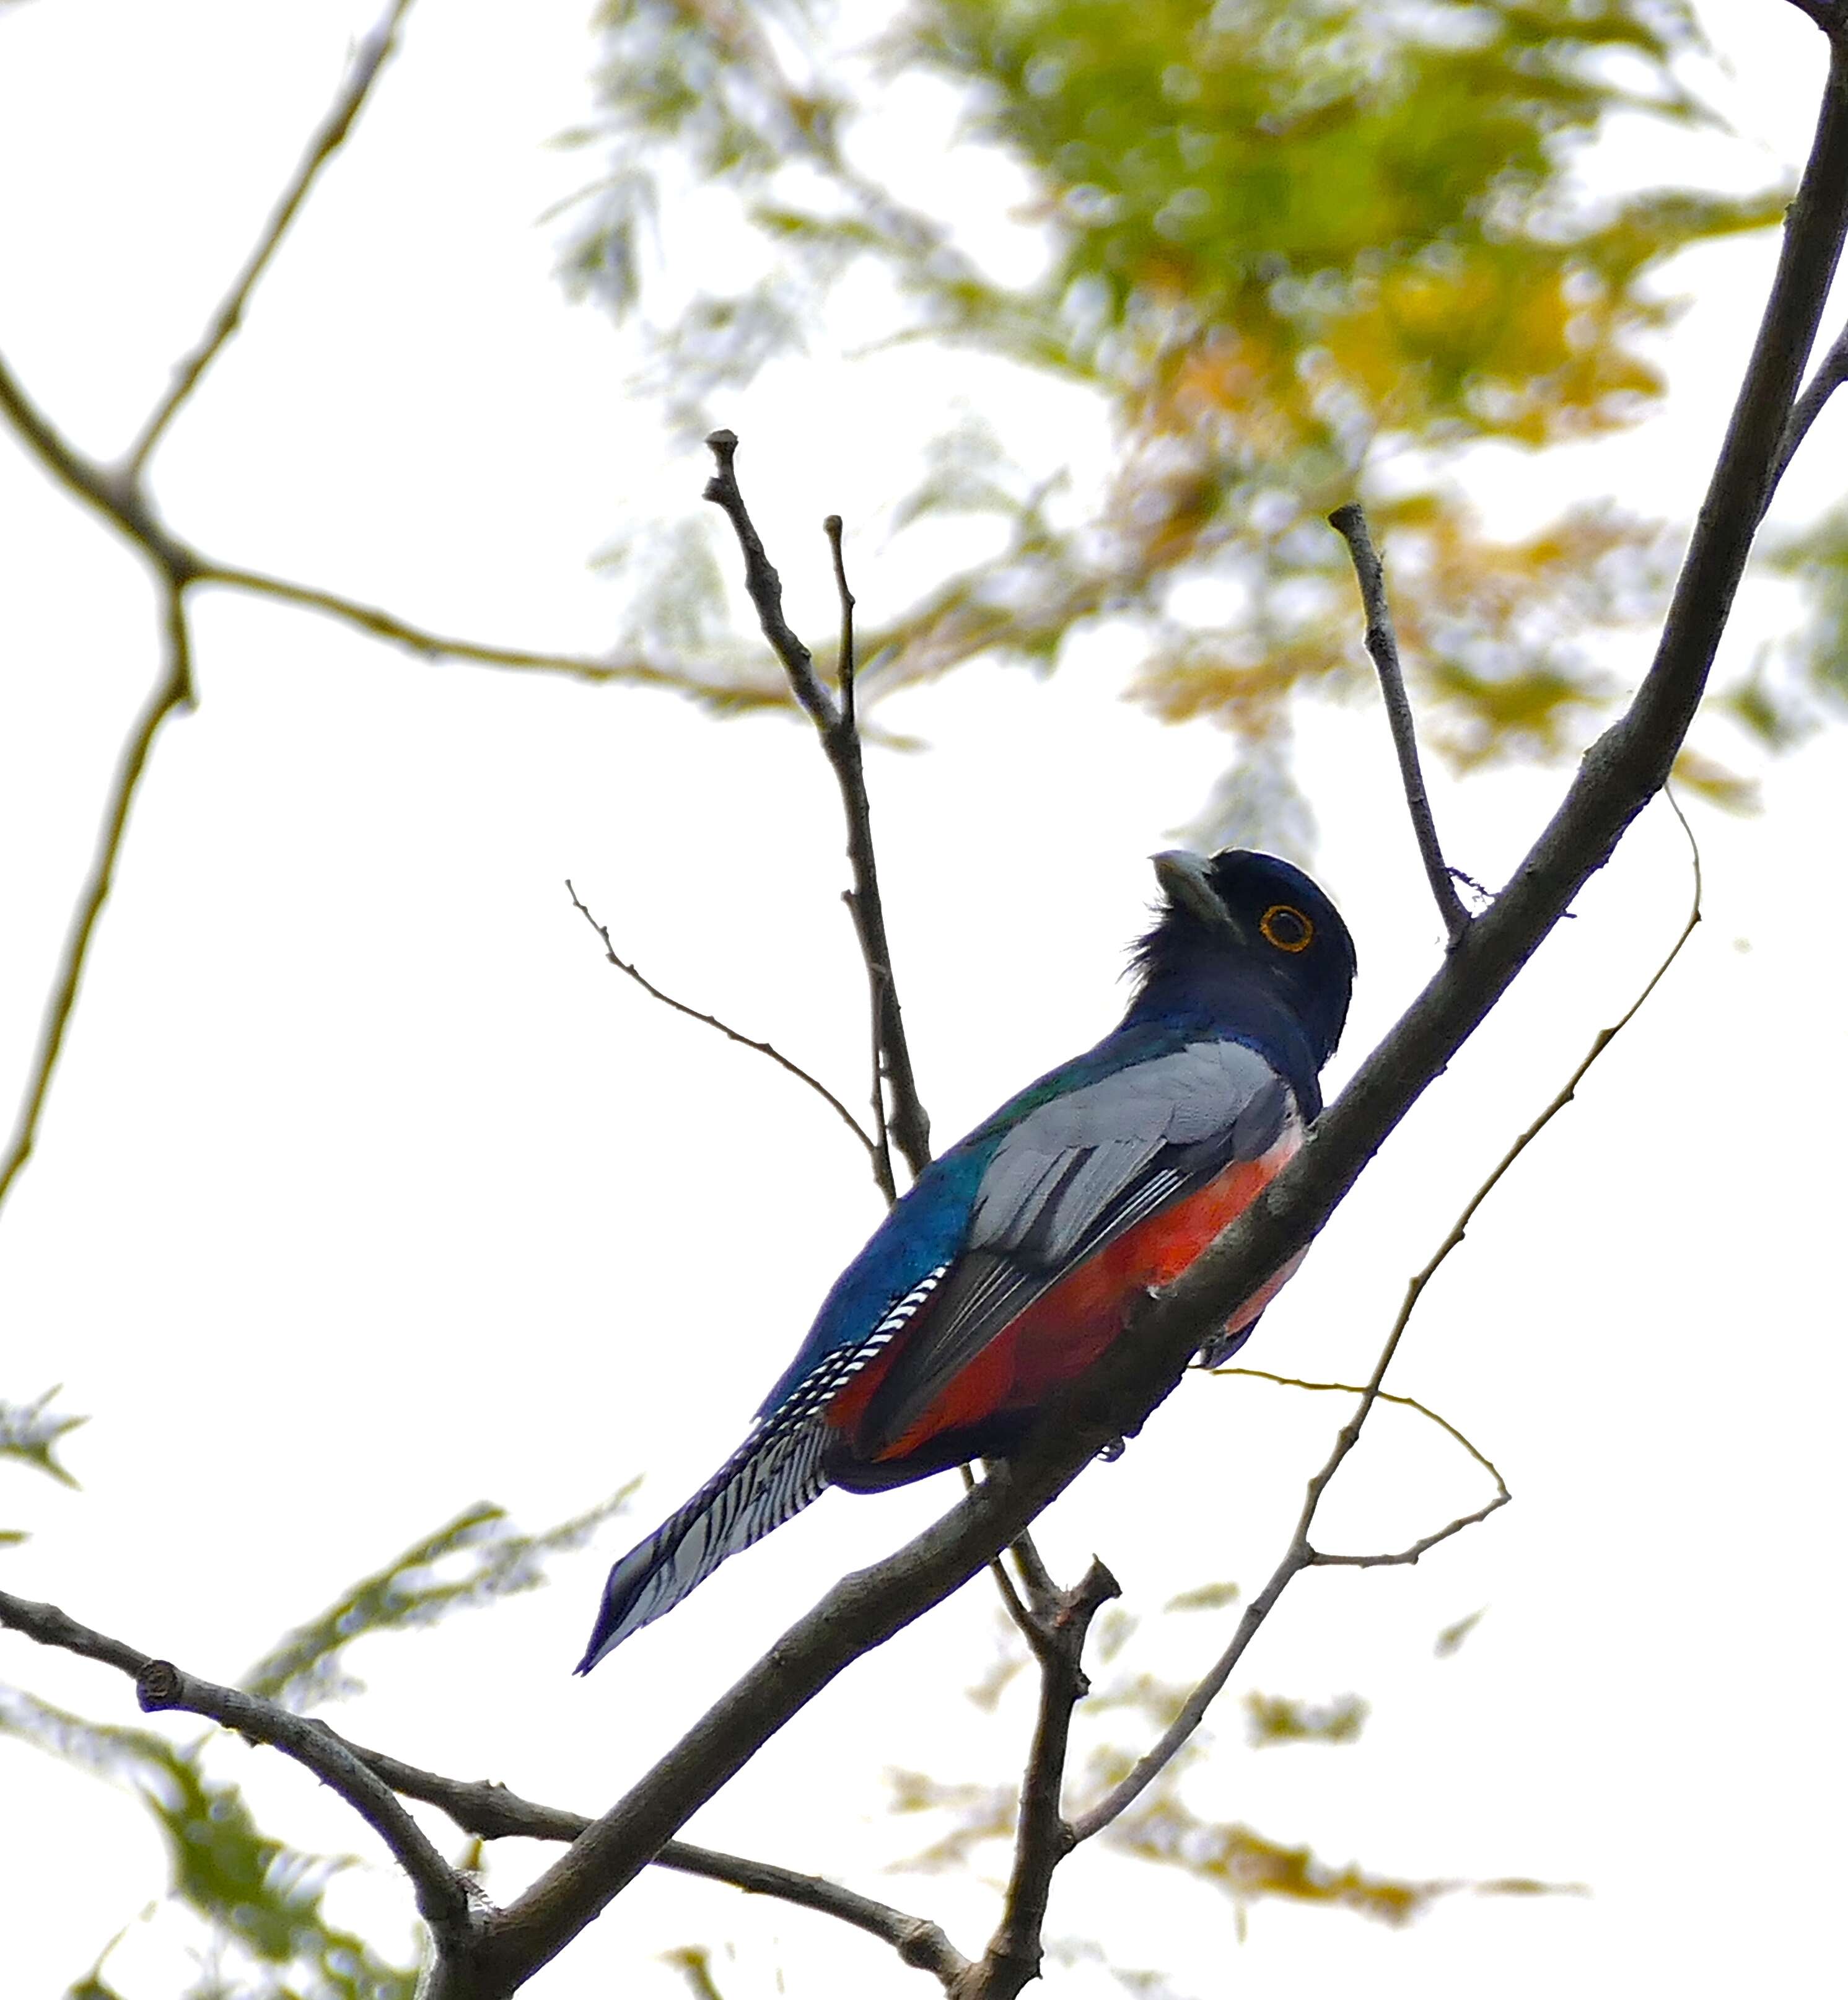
pixel 1830 376
pixel 1024 1621
pixel 1301 1554
pixel 917 1940
pixel 427 645
pixel 1385 1396
pixel 1350 523
pixel 840 743
pixel 369 58
pixel 845 670
pixel 847 725
pixel 1043 1837
pixel 442 1899
pixel 1322 1559
pixel 490 1811
pixel 764 587
pixel 50 1626
pixel 174 691
pixel 119 501
pixel 731 1033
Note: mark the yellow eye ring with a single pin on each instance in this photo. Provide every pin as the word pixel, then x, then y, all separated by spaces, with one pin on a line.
pixel 1286 928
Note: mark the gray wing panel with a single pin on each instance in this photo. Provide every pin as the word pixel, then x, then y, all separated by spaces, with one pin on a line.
pixel 1068 1179
pixel 1063 1165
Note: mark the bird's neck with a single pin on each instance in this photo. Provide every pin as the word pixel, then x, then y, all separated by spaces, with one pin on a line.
pixel 1232 1003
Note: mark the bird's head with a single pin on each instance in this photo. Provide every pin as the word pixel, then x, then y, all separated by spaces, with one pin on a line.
pixel 1240 922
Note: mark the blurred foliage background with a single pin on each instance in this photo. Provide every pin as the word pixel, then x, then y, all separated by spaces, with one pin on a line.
pixel 1299 249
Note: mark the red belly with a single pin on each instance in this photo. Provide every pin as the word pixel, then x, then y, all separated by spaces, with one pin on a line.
pixel 1066 1331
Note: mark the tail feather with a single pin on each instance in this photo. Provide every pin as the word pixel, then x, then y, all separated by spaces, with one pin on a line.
pixel 773 1474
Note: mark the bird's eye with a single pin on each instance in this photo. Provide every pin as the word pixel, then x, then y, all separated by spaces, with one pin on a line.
pixel 1287 929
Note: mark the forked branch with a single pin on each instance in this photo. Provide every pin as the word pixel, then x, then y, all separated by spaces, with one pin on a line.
pixel 373 1783
pixel 837 730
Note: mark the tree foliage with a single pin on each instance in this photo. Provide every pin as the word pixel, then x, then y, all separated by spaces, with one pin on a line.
pixel 1297 251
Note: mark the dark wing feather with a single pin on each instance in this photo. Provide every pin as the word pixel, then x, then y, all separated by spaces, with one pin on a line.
pixel 1072 1177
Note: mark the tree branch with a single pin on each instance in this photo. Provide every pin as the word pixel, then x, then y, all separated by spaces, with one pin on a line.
pixel 490 1811
pixel 1042 1839
pixel 387 625
pixel 120 501
pixel 837 728
pixel 731 1033
pixel 1830 374
pixel 369 58
pixel 442 1899
pixel 1350 523
pixel 877 980
pixel 173 691
pixel 487 1811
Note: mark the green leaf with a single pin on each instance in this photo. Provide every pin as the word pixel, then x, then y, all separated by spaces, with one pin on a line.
pixel 472 1560
pixel 262 1897
pixel 1275 1718
pixel 29 1432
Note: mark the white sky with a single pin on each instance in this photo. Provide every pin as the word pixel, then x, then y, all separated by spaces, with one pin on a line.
pixel 367 1190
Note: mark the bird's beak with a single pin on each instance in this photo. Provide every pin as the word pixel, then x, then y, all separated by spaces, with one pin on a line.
pixel 1184 876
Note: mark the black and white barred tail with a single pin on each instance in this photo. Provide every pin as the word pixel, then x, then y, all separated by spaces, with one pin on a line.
pixel 773 1474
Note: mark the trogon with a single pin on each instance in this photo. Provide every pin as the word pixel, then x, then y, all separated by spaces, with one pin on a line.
pixel 1014 1261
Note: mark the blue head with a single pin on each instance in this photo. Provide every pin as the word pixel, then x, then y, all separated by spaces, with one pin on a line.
pixel 1245 938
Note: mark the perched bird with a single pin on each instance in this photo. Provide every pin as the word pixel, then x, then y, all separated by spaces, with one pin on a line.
pixel 1013 1263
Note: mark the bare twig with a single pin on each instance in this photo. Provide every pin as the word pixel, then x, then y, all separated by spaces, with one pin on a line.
pixel 1385 1396
pixel 174 691
pixel 492 1812
pixel 1831 372
pixel 712 1021
pixel 877 976
pixel 369 58
pixel 442 1899
pixel 1350 523
pixel 846 668
pixel 840 742
pixel 427 645
pixel 1043 1837
pixel 918 1941
pixel 1301 1554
